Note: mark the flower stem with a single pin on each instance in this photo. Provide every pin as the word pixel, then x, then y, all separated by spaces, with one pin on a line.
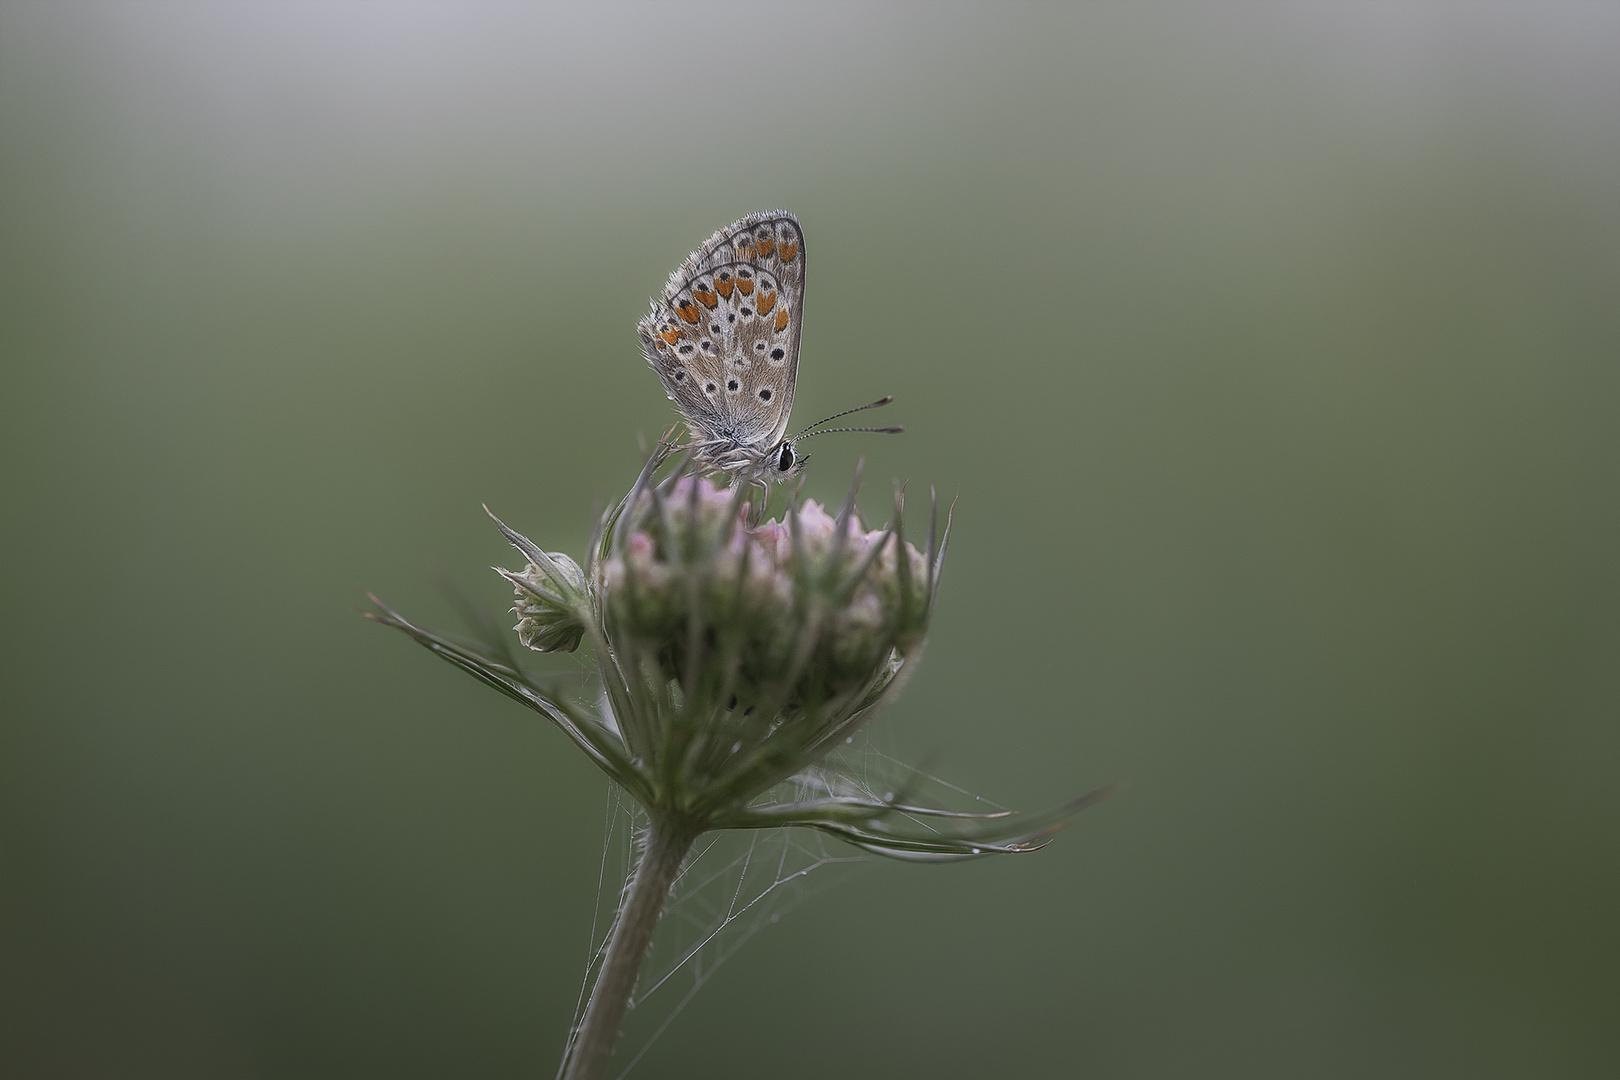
pixel 661 856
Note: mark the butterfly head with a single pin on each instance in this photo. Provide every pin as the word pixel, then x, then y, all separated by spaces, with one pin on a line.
pixel 786 461
pixel 778 461
pixel 750 463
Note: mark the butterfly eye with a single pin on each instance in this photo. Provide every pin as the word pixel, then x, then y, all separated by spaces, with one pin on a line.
pixel 784 461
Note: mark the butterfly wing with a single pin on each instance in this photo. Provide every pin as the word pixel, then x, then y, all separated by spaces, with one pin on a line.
pixel 724 335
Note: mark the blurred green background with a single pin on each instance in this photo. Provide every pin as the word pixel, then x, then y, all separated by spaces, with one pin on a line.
pixel 1274 353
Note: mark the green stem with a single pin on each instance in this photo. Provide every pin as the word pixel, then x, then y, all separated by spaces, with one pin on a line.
pixel 661 857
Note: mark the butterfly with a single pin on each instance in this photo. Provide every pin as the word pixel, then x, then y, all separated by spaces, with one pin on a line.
pixel 724 339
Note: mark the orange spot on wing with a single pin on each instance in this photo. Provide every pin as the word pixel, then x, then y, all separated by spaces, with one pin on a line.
pixel 766 245
pixel 724 285
pixel 745 250
pixel 766 301
pixel 781 320
pixel 687 310
pixel 745 286
pixel 672 335
pixel 705 297
pixel 788 249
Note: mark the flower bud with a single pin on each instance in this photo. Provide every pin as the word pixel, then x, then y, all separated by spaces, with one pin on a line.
pixel 787 614
pixel 548 603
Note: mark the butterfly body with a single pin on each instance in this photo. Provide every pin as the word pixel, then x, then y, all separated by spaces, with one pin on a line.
pixel 723 337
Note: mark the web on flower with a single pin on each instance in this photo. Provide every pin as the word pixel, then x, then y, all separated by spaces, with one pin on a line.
pixel 733 885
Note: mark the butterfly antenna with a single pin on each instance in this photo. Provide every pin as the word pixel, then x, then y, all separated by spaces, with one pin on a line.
pixel 834 430
pixel 879 403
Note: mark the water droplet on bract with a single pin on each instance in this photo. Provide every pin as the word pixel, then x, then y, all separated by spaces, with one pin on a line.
pixel 976 851
pixel 888 796
pixel 776 918
pixel 849 740
pixel 736 746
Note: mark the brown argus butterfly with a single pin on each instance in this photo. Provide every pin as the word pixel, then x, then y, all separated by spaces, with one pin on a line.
pixel 724 340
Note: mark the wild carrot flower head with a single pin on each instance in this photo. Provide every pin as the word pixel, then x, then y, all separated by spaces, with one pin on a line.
pixel 790 616
pixel 733 658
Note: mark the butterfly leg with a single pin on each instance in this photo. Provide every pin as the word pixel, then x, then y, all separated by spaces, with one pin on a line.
pixel 756 510
pixel 764 498
pixel 751 515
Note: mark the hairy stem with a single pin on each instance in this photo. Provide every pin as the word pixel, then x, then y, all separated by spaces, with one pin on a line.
pixel 643 903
